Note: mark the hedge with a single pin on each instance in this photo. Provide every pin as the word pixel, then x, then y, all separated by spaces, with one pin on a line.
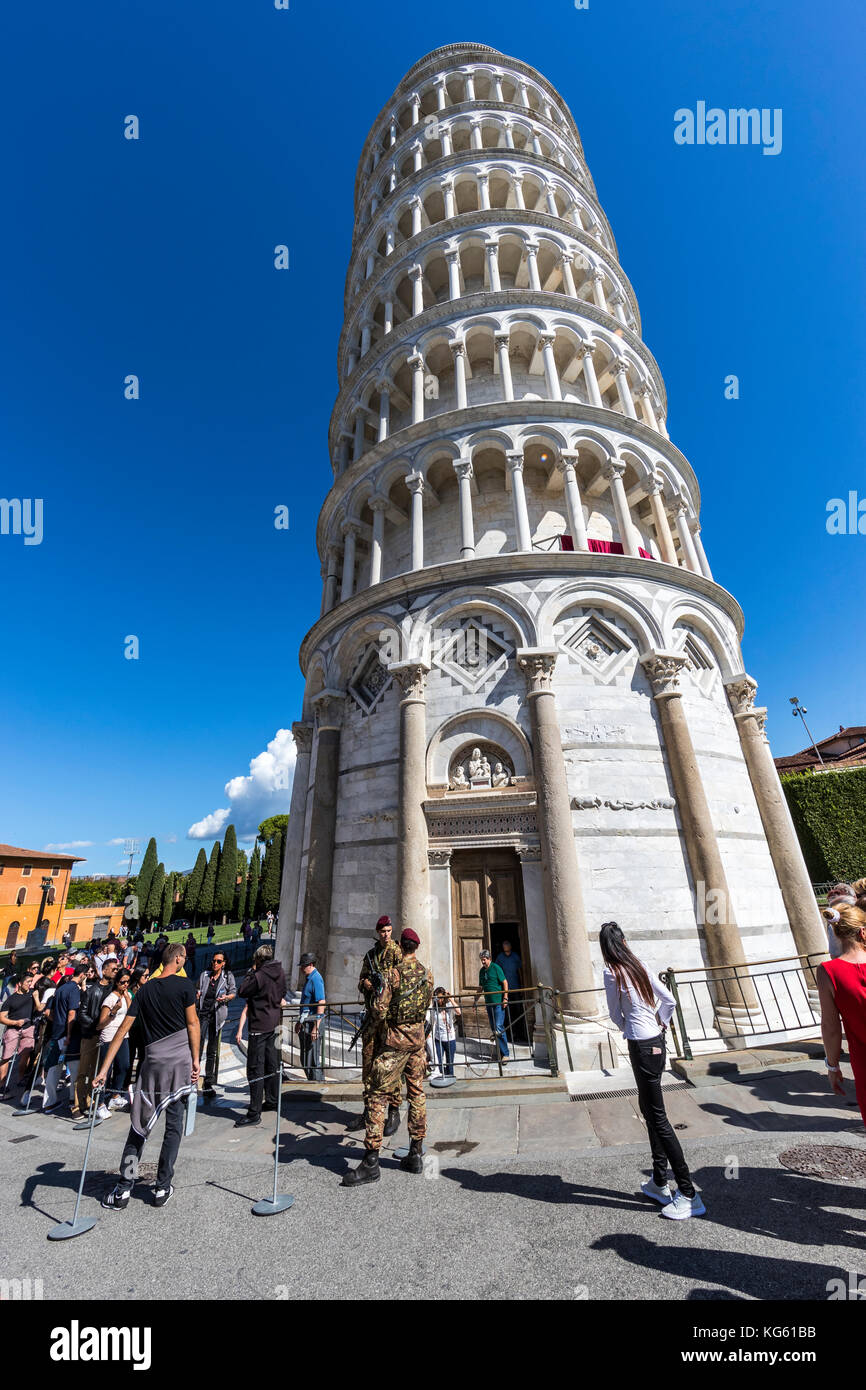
pixel 829 813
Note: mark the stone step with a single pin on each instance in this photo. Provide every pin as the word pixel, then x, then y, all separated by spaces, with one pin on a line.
pixel 716 1067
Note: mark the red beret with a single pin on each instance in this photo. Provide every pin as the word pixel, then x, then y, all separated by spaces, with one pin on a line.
pixel 384 922
pixel 410 935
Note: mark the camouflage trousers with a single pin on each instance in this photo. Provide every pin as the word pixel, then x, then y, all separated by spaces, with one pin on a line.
pixel 372 1044
pixel 389 1066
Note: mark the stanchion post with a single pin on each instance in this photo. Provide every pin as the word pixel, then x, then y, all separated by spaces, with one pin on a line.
pixel 269 1206
pixel 16 1114
pixel 65 1230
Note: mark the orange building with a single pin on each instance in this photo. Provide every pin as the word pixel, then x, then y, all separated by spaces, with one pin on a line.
pixel 22 872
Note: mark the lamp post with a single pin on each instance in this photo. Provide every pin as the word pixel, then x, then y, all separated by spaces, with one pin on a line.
pixel 802 711
pixel 47 885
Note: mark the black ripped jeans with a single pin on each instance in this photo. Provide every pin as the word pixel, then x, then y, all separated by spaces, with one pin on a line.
pixel 647 1057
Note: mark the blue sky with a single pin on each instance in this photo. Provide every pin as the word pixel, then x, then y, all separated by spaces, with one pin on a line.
pixel 155 257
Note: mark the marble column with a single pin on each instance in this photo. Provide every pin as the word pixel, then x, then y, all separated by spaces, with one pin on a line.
pixel 458 351
pixel 491 247
pixel 597 278
pixel 351 531
pixel 463 469
pixel 518 494
pixel 563 896
pixel 568 277
pixel 453 261
pixel 502 341
pixel 620 371
pixel 450 205
pixel 416 275
pixel 287 930
pixel 613 470
pixel 807 927
pixel 551 374
pixel 331 580
pixel 484 192
pixel 649 415
pixel 532 263
pixel 416 362
pixel 384 389
pixel 412 863
pixel 586 351
pixel 701 553
pixel 722 939
pixel 415 484
pixel 690 555
pixel 416 215
pixel 328 707
pixel 660 522
pixel 577 526
pixel 378 506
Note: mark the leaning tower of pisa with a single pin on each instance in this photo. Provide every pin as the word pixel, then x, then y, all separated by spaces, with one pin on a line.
pixel 525 708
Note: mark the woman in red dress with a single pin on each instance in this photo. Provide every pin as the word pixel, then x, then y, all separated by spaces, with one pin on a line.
pixel 842 992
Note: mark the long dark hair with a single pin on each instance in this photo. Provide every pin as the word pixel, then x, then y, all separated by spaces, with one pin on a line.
pixel 624 964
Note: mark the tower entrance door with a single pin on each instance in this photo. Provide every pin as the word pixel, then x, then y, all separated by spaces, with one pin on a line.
pixel 487 908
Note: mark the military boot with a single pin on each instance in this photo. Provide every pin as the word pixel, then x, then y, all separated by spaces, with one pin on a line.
pixel 366 1171
pixel 413 1162
pixel 359 1123
pixel 392 1124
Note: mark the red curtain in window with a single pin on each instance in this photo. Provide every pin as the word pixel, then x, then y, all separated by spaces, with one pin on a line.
pixel 603 547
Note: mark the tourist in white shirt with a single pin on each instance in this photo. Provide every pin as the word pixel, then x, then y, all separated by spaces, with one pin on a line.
pixel 115 1007
pixel 640 1005
pixel 443 1016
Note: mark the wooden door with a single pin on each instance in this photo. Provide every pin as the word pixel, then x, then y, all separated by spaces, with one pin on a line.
pixel 470 930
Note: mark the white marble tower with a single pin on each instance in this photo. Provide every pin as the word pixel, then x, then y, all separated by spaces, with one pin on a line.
pixel 525 708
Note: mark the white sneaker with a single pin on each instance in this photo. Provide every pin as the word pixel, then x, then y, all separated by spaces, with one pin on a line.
pixel 681 1208
pixel 658 1194
pixel 116 1103
pixel 103 1113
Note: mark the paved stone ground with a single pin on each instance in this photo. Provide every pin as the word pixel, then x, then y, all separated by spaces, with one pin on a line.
pixel 522 1200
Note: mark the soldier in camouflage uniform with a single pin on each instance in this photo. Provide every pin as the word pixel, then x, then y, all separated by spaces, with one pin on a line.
pixel 382 957
pixel 403 1007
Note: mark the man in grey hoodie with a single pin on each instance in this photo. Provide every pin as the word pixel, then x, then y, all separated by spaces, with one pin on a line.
pixel 264 989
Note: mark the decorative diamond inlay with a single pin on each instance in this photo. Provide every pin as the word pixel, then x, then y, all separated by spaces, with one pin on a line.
pixel 369 682
pixel 471 655
pixel 598 647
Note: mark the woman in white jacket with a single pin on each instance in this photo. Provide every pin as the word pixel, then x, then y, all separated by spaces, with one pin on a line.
pixel 640 1005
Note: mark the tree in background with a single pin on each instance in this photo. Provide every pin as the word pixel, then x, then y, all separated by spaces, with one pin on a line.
pixel 167 908
pixel 251 906
pixel 208 888
pixel 270 890
pixel 269 828
pixel 145 875
pixel 241 888
pixel 227 874
pixel 192 891
pixel 154 897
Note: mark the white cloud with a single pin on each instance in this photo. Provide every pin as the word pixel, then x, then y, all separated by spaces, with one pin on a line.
pixel 69 844
pixel 264 791
pixel 121 840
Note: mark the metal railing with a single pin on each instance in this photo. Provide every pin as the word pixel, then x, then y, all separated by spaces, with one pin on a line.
pixel 710 1008
pixel 523 1040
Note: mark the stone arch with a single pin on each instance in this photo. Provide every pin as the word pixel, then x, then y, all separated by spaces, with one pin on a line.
pixel 589 593
pixel 472 599
pixel 364 632
pixel 688 610
pixel 483 726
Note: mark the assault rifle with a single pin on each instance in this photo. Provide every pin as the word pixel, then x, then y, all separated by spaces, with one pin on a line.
pixel 377 980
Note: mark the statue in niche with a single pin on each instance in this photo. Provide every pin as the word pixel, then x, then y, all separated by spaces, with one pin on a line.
pixel 459 780
pixel 500 776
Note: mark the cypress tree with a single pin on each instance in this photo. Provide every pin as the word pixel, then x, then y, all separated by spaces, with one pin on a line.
pixel 145 876
pixel 253 885
pixel 165 915
pixel 154 897
pixel 224 892
pixel 271 874
pixel 205 902
pixel 241 888
pixel 192 892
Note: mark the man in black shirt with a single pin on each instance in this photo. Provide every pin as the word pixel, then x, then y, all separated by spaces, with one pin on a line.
pixel 166 1013
pixel 18 1014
